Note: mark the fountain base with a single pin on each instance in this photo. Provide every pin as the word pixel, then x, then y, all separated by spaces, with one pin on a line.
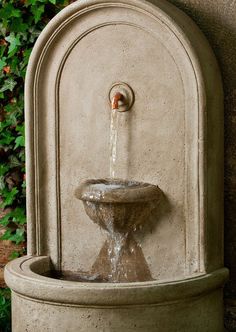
pixel 43 303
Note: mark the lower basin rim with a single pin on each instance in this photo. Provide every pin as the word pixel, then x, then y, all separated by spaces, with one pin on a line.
pixel 21 279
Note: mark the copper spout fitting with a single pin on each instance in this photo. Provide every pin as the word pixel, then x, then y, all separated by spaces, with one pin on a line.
pixel 115 100
pixel 121 97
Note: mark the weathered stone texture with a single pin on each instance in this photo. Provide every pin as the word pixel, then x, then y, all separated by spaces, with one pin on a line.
pixel 167 62
pixel 217 20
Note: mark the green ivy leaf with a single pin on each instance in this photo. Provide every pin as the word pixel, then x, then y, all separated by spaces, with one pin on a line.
pixel 9 108
pixel 23 185
pixel 9 197
pixel 2 301
pixel 17 25
pixel 34 33
pixel 21 129
pixel 9 84
pixel 17 216
pixel 3 29
pixel 2 182
pixel 14 65
pixel 14 161
pixel 6 235
pixel 18 236
pixel 21 155
pixel 5 310
pixel 6 138
pixel 4 124
pixel 4 221
pixel 31 2
pixel 37 11
pixel 14 255
pixel 9 11
pixel 4 169
pixel 26 56
pixel 53 1
pixel 2 50
pixel 19 141
pixel 2 63
pixel 14 41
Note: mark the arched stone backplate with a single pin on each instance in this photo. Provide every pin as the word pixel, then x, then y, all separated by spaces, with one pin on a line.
pixel 172 137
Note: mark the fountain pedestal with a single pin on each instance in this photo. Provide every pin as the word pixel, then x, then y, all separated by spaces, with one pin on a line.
pixel 123 264
pixel 171 136
pixel 120 207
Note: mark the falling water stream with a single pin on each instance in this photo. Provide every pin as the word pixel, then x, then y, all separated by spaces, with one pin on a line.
pixel 116 245
pixel 117 240
pixel 114 124
pixel 115 262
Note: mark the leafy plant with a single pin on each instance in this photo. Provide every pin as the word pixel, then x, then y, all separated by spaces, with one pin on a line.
pixel 21 21
pixel 5 312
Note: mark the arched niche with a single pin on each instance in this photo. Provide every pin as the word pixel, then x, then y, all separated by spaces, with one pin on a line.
pixel 172 136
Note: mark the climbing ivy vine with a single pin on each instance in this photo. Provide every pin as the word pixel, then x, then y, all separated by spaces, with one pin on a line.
pixel 21 21
pixel 5 310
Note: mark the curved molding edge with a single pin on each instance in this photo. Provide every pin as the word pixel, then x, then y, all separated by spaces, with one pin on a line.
pixel 23 277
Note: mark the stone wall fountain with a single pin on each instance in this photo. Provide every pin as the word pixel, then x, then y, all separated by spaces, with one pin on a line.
pixel 123 114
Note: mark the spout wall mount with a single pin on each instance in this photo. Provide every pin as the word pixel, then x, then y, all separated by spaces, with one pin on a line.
pixel 121 97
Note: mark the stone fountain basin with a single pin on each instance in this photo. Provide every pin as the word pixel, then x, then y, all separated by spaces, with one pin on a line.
pixel 43 302
pixel 117 191
pixel 118 205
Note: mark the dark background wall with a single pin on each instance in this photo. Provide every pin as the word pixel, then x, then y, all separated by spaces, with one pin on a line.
pixel 217 20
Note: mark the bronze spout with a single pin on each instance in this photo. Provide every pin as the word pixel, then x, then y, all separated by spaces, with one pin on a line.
pixel 115 100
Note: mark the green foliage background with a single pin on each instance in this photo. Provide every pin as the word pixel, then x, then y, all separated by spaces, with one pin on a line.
pixel 5 310
pixel 21 21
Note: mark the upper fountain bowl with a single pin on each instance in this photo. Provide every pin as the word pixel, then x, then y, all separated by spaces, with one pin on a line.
pixel 118 205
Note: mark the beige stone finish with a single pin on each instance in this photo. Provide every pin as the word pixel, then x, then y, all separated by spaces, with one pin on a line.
pixel 121 318
pixel 172 137
pixel 46 304
pixel 170 110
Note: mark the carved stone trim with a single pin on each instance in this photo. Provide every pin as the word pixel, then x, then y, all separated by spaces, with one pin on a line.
pixel 45 42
